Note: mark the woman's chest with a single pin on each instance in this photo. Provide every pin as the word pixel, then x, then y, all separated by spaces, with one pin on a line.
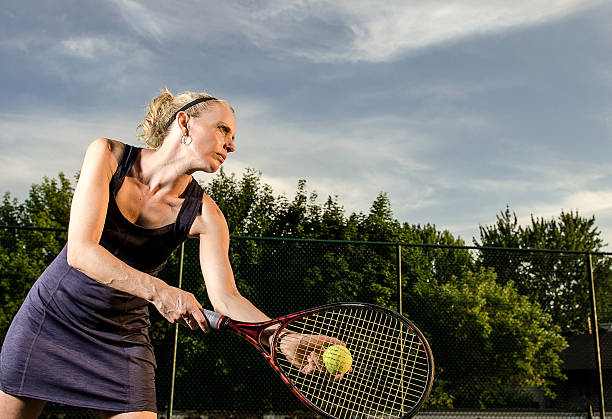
pixel 144 209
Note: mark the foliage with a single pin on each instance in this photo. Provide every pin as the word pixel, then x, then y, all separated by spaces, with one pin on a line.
pixel 492 306
pixel 491 342
pixel 316 273
pixel 557 281
pixel 24 253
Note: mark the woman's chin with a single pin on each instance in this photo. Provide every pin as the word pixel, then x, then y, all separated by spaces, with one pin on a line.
pixel 210 169
pixel 207 167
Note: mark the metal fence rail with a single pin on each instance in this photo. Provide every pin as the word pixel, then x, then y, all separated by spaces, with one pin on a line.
pixel 217 376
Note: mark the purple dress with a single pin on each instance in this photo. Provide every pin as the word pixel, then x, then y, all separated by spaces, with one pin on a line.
pixel 78 342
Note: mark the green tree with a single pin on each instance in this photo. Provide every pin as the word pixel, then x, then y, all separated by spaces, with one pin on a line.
pixel 248 205
pixel 448 296
pixel 25 253
pixel 490 343
pixel 557 281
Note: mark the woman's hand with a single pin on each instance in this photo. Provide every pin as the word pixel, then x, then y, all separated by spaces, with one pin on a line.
pixel 179 306
pixel 306 352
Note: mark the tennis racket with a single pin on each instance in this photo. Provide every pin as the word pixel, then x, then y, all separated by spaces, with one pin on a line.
pixel 392 366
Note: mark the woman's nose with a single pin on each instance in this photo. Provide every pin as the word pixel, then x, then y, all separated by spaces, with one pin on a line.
pixel 230 147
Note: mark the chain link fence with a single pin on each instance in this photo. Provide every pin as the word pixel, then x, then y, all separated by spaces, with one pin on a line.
pixel 498 353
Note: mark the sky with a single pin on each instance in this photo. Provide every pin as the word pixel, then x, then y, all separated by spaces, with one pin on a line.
pixel 455 109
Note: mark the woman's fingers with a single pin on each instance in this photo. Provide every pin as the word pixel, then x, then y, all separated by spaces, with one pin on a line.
pixel 200 320
pixel 195 320
pixel 183 321
pixel 182 307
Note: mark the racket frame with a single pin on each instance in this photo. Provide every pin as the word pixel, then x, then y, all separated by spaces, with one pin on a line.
pixel 254 333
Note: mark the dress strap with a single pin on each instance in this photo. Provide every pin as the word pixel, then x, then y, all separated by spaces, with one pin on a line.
pixel 130 153
pixel 192 205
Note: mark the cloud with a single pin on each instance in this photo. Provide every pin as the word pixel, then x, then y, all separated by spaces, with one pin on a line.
pixel 22 44
pixel 550 178
pixel 452 134
pixel 355 157
pixel 150 19
pixel 93 47
pixel 589 201
pixel 45 143
pixel 586 202
pixel 384 31
pixel 349 31
pixel 342 31
pixel 162 21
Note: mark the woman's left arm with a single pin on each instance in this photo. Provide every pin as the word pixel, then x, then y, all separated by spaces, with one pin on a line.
pixel 213 232
pixel 225 298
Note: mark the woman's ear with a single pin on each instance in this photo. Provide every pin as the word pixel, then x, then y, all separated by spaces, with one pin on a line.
pixel 182 118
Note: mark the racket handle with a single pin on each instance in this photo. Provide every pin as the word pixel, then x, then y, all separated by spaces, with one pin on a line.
pixel 214 319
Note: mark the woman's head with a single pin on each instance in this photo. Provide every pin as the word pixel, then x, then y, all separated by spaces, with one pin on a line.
pixel 162 111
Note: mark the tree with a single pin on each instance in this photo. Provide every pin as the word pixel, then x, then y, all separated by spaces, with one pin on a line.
pixel 452 299
pixel 557 281
pixel 284 276
pixel 248 205
pixel 25 253
pixel 492 344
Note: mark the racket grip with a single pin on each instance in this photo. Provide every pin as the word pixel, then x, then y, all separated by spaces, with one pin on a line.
pixel 214 319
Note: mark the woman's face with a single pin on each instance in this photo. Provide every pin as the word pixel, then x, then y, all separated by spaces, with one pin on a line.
pixel 212 134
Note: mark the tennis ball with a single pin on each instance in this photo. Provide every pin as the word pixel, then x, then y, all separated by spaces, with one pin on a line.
pixel 337 359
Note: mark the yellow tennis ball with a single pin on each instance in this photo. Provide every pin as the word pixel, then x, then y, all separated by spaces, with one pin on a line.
pixel 337 359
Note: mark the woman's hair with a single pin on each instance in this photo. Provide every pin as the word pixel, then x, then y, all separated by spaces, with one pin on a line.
pixel 163 108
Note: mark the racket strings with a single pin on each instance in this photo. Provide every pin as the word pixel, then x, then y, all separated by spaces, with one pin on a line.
pixel 363 381
pixel 390 367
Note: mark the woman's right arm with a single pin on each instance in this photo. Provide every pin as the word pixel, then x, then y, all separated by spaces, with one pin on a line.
pixel 87 217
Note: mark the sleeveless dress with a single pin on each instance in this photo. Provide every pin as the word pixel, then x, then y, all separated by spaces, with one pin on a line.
pixel 78 342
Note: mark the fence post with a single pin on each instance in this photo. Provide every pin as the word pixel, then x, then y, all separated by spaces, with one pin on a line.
pixel 176 330
pixel 597 348
pixel 399 278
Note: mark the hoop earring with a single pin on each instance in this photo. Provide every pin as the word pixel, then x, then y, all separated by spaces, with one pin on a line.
pixel 186 139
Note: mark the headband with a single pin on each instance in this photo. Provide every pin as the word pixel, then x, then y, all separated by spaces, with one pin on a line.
pixel 187 106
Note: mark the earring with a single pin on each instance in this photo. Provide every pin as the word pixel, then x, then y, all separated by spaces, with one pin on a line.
pixel 186 139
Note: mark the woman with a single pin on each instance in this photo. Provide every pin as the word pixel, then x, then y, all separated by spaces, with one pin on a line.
pixel 81 336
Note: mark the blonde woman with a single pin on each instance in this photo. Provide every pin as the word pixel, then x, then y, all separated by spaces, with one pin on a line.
pixel 81 337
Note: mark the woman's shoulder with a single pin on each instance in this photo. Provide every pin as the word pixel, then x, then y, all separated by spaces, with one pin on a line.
pixel 210 210
pixel 105 150
pixel 106 146
pixel 211 218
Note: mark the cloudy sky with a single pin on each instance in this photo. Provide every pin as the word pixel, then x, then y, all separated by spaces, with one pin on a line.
pixel 454 108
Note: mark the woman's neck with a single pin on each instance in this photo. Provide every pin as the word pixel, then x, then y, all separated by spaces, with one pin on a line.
pixel 162 170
